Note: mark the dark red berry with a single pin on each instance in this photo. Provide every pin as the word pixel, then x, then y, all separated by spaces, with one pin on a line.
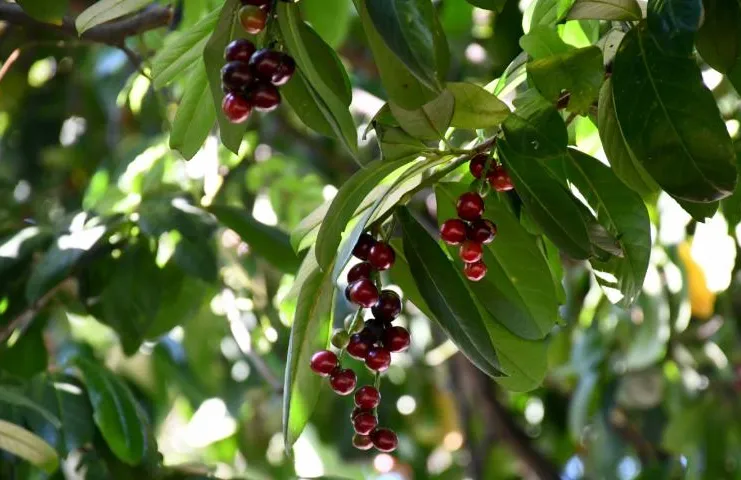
pixel 453 231
pixel 384 439
pixel 361 270
pixel 323 362
pixel 381 256
pixel 363 292
pixel 359 346
pixel 470 206
pixel 265 63
pixel 363 246
pixel 343 381
pixel 481 231
pixel 236 108
pixel 396 339
pixel 388 306
pixel 475 271
pixel 477 164
pixel 265 97
pixel 357 411
pixel 367 397
pixel 362 442
pixel 499 179
pixel 236 76
pixel 257 3
pixel 470 252
pixel 285 70
pixel 378 359
pixel 239 50
pixel 253 19
pixel 374 330
pixel 365 423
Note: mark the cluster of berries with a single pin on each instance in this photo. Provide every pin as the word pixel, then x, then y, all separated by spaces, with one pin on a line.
pixel 250 78
pixel 496 174
pixel 372 341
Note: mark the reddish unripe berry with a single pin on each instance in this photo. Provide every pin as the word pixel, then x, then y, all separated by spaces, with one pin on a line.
pixel 363 246
pixel 236 77
pixel 362 442
pixel 361 270
pixel 475 271
pixel 453 231
pixel 323 362
pixel 388 306
pixel 285 70
pixel 470 252
pixel 477 164
pixel 239 50
pixel 384 439
pixel 396 339
pixel 367 397
pixel 481 231
pixel 381 256
pixel 343 381
pixel 500 180
pixel 265 97
pixel 378 359
pixel 363 292
pixel 253 19
pixel 257 3
pixel 359 346
pixel 236 108
pixel 365 423
pixel 470 206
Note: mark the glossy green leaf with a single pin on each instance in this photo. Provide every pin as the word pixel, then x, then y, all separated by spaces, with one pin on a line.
pixel 115 411
pixel 535 129
pixel 309 333
pixel 549 12
pixel 106 10
pixel 396 144
pixel 476 107
pixel 45 11
pixel 401 274
pixel 447 297
pixel 306 104
pixel 15 397
pixel 541 42
pixel 269 242
pixel 27 355
pixel 28 446
pixel 605 10
pixel 550 205
pixel 718 40
pixel 332 28
pixel 671 20
pixel 196 115
pixel 579 72
pixel 732 205
pixel 670 121
pixel 430 121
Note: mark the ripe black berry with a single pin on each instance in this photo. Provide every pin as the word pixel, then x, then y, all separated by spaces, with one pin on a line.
pixel 323 362
pixel 236 108
pixel 381 256
pixel 285 70
pixel 374 330
pixel 367 397
pixel 236 77
pixel 363 246
pixel 388 306
pixel 343 381
pixel 481 231
pixel 453 231
pixel 470 252
pixel 239 50
pixel 384 439
pixel 361 270
pixel 470 206
pixel 365 423
pixel 475 271
pixel 378 359
pixel 363 292
pixel 396 339
pixel 265 97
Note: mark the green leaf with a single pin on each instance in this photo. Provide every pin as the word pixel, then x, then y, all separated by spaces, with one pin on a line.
pixel 407 28
pixel 493 5
pixel 403 88
pixel 476 107
pixel 309 333
pixel 115 411
pixel 182 50
pixel 402 276
pixel 106 10
pixel 536 129
pixel 548 202
pixel 45 11
pixel 718 40
pixel 689 155
pixel 197 258
pixel 306 104
pixel 28 446
pixel 446 295
pixel 196 115
pixel 672 18
pixel 269 242
pixel 20 245
pixel 27 356
pixel 430 121
pixel 160 215
pixel 61 258
pixel 14 397
pixel 579 72
pixel 64 396
pixel 213 56
pixel 349 197
pixel 549 12
pixel 322 71
pixel 617 10
pixel 732 205
pixel 541 42
pixel 518 289
pixel 332 28
pixel 180 302
pixel 396 144
pixel 623 164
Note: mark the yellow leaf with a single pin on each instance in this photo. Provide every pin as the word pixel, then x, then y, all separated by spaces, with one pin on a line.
pixel 702 299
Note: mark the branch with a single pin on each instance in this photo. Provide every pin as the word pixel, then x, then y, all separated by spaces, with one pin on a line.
pixel 112 33
pixel 23 320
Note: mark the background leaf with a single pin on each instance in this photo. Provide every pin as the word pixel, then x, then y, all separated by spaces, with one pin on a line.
pixel 44 11
pixel 535 129
pixel 196 115
pixel 475 107
pixel 106 10
pixel 28 446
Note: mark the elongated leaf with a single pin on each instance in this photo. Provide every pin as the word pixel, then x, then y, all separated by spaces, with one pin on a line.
pixel 349 197
pixel 430 121
pixel 306 104
pixel 548 202
pixel 718 40
pixel 44 11
pixel 536 129
pixel 402 275
pixel 475 107
pixel 549 12
pixel 396 144
pixel 671 122
pixel 332 28
pixel 182 50
pixel 28 446
pixel 15 397
pixel 196 115
pixel 605 10
pixel 444 292
pixel 309 333
pixel 106 10
pixel 269 242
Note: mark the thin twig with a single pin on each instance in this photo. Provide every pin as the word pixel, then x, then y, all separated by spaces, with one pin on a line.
pixel 24 319
pixel 9 62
